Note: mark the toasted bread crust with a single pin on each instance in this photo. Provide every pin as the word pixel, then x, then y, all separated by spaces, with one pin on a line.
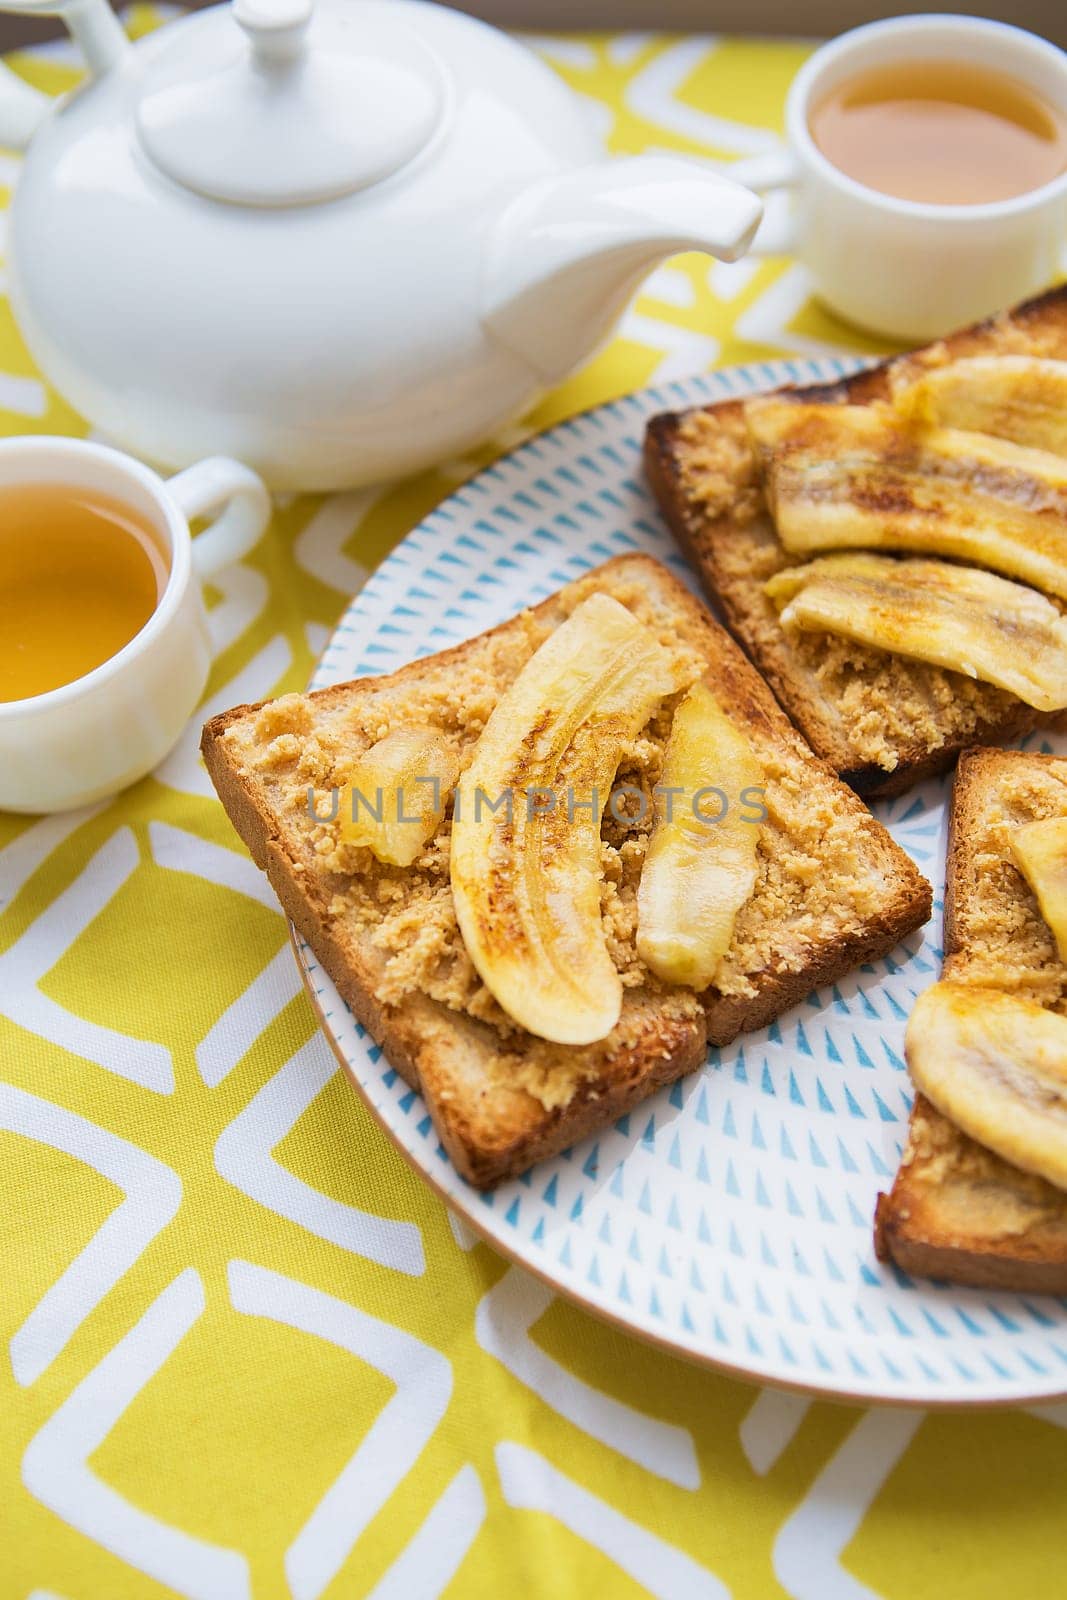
pixel 957 1211
pixel 912 1230
pixel 730 539
pixel 492 1130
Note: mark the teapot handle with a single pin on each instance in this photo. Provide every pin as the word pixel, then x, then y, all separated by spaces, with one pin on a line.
pixel 95 29
pixel 22 109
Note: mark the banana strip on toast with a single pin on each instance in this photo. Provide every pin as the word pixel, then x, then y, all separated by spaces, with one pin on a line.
pixel 525 853
pixel 700 868
pixel 950 616
pixel 995 1065
pixel 1040 852
pixel 863 477
pixel 397 792
pixel 1019 398
pixel 981 1193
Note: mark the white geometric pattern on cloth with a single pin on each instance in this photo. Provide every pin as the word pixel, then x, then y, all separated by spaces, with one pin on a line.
pixel 55 1467
pixel 502 1323
pixel 152 1196
pixel 243 1157
pixel 771 1426
pixel 183 768
pixel 40 947
pixel 423 1379
pixel 245 595
pixel 55 1464
pixel 534 1484
pixel 20 859
pixel 250 1015
pixel 429 1562
pixel 807 1551
pixel 654 93
pixel 320 549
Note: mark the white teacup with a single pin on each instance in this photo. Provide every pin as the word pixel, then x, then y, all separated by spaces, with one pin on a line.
pixel 899 267
pixel 92 737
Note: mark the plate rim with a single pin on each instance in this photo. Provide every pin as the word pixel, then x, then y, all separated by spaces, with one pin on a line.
pixel 753 377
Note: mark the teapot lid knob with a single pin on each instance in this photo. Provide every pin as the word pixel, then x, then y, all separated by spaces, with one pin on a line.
pixel 277 28
pixel 309 103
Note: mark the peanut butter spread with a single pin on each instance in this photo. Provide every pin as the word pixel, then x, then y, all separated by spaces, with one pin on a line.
pixel 718 467
pixel 882 704
pixel 979 1196
pixel 1006 942
pixel 816 877
pixel 888 704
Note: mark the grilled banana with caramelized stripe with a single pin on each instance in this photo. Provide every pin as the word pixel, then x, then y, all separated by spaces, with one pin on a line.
pixel 859 477
pixel 1021 398
pixel 950 616
pixel 525 852
pixel 996 1066
pixel 396 793
pixel 1040 851
pixel 698 872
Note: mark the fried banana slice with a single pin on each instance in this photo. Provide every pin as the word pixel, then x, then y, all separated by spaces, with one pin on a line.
pixel 858 477
pixel 996 1066
pixel 950 616
pixel 698 873
pixel 396 794
pixel 1021 398
pixel 525 853
pixel 1040 851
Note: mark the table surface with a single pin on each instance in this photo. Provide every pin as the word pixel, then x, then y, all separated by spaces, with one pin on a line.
pixel 209 1391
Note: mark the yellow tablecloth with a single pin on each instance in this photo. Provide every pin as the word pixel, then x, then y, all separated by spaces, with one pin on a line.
pixel 207 1389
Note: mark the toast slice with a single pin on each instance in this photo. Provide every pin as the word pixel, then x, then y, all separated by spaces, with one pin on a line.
pixel 883 723
pixel 956 1210
pixel 833 889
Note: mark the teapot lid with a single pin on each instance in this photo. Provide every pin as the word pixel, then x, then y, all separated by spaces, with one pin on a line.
pixel 264 103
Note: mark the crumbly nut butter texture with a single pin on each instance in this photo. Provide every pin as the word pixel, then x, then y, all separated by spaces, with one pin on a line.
pixel 979 1196
pixel 1004 941
pixel 814 881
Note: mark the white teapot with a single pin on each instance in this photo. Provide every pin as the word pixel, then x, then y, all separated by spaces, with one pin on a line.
pixel 339 245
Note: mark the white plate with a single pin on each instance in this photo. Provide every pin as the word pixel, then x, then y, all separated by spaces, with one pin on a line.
pixel 729 1217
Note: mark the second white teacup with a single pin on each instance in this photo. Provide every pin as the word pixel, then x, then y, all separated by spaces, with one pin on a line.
pixel 93 736
pixel 904 268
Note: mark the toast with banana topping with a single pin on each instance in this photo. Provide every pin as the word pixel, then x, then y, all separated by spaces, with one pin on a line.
pixel 959 1209
pixel 496 956
pixel 955 448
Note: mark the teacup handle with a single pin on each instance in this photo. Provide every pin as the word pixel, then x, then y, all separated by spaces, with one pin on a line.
pixel 776 235
pixel 221 483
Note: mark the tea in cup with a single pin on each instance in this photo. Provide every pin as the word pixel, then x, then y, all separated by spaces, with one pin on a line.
pixel 104 643
pixel 927 158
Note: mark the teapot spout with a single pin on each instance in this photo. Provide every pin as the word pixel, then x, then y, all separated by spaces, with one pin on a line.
pixel 569 252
